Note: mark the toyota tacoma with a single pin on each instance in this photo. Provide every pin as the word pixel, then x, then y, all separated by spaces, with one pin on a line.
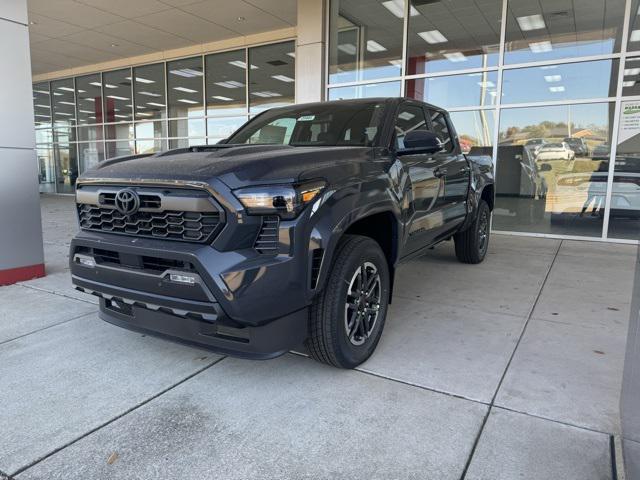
pixel 286 233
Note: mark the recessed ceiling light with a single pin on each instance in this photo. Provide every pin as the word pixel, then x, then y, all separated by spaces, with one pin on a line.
pixel 373 46
pixel 266 94
pixel 154 104
pixel 144 114
pixel 186 100
pixel 348 48
pixel 241 64
pixel 241 19
pixel 433 36
pixel 531 22
pixel 44 92
pixel 630 83
pixel 113 45
pixel 67 103
pixel 66 89
pixel 86 111
pixel 556 89
pixel 95 84
pixel 42 106
pixel 229 84
pixel 631 71
pixel 540 47
pixel 108 85
pixel 406 116
pixel 117 115
pixel 635 36
pixel 396 63
pixel 116 97
pixel 396 7
pixel 552 78
pixel 65 114
pixel 283 78
pixel 185 89
pixel 150 94
pixel 292 54
pixel 220 97
pixel 186 72
pixel 144 80
pixel 455 57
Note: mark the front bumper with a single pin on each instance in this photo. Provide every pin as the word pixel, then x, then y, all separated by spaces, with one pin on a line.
pixel 238 302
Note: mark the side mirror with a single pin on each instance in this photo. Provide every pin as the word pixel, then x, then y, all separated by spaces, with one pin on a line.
pixel 420 141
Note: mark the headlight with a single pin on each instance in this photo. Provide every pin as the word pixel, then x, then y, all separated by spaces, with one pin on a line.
pixel 284 200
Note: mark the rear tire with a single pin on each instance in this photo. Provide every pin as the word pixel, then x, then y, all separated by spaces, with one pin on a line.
pixel 472 244
pixel 345 324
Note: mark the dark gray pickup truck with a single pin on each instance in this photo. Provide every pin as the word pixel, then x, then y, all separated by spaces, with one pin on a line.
pixel 288 232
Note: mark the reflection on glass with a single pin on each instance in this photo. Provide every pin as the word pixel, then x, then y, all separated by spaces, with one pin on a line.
pixel 634 27
pixel 66 161
pixel 150 130
pixel 46 169
pixel 187 127
pixel 553 30
pixel 453 35
pixel 220 128
pixel 365 40
pixel 63 102
pixel 151 145
pixel 148 89
pixel 572 81
pixel 44 135
pixel 475 130
pixel 184 88
pixel 631 77
pixel 42 105
pixel 271 76
pixel 119 131
pixel 118 105
pixel 63 133
pixel 89 155
pixel 226 79
pixel 371 90
pixel 185 142
pixel 90 133
pixel 119 148
pixel 473 89
pixel 624 216
pixel 551 173
pixel 89 99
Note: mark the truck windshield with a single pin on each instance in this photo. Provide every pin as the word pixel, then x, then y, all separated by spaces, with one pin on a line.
pixel 356 124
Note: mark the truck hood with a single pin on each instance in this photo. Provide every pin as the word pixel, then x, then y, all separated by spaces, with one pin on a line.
pixel 236 166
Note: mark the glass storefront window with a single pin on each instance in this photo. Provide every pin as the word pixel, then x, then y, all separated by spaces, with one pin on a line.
pixel 148 130
pixel 90 133
pixel 184 88
pixel 552 30
pixel 119 148
pixel 46 169
pixel 271 76
pixel 624 215
pixel 89 155
pixel 634 27
pixel 221 128
pixel 370 90
pixel 187 127
pixel 44 135
pixel 119 131
pixel 572 81
pixel 63 102
pixel 148 92
pixel 89 99
pixel 470 90
pixel 151 145
pixel 186 142
pixel 365 40
pixel 42 105
pixel 226 83
pixel 631 77
pixel 475 130
pixel 551 172
pixel 66 161
pixel 453 35
pixel 118 104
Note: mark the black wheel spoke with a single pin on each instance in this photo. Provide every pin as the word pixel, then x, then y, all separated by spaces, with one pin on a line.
pixel 362 305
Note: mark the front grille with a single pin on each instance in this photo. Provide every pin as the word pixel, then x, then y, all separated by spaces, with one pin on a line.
pixel 193 218
pixel 267 240
pixel 143 262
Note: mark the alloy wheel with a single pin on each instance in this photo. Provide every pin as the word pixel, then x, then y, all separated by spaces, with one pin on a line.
pixel 363 303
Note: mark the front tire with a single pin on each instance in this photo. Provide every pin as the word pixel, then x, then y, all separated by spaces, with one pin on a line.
pixel 472 244
pixel 348 315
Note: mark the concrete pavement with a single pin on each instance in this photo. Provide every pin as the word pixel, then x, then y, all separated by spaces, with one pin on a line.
pixel 509 369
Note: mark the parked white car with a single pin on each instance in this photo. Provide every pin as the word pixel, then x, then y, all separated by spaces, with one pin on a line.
pixel 555 151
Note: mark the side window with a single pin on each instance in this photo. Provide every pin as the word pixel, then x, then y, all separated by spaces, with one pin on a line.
pixel 410 118
pixel 441 129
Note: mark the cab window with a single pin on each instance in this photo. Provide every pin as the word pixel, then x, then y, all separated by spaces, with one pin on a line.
pixel 410 118
pixel 441 129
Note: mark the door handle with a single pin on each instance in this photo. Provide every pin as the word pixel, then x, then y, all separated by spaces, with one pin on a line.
pixel 439 172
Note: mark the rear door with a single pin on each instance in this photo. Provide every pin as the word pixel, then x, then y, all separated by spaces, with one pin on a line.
pixel 422 190
pixel 453 168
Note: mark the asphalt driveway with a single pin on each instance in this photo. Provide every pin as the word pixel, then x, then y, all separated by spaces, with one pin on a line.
pixel 510 369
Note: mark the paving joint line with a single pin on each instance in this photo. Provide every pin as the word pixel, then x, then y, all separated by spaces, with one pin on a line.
pixel 47 327
pixel 506 369
pixel 114 419
pixel 40 289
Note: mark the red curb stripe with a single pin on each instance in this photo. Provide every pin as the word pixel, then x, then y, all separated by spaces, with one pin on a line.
pixel 13 275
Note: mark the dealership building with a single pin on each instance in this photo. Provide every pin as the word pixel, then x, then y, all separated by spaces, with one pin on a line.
pixel 550 89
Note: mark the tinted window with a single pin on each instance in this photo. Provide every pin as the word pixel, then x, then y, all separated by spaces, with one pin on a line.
pixel 410 118
pixel 441 129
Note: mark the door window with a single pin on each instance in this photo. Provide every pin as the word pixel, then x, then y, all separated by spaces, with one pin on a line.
pixel 410 118
pixel 441 129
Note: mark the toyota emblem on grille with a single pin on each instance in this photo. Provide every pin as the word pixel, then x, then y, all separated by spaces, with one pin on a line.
pixel 127 201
